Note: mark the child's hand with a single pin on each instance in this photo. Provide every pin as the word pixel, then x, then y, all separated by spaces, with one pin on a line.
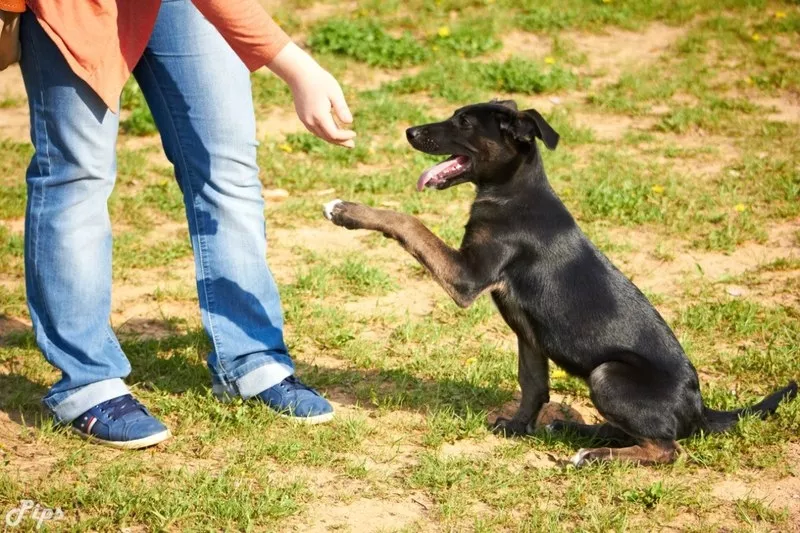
pixel 316 93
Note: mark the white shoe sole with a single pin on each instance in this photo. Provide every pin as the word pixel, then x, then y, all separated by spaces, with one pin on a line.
pixel 310 420
pixel 145 442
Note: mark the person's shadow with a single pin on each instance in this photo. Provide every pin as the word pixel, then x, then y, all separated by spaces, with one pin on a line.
pixel 176 364
pixel 19 396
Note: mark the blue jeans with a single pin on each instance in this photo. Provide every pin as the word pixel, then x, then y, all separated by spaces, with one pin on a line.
pixel 199 93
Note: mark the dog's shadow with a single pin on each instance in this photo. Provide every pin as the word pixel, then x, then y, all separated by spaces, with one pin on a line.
pixel 397 389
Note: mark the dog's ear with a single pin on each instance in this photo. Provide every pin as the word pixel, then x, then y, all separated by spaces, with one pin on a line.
pixel 511 104
pixel 531 122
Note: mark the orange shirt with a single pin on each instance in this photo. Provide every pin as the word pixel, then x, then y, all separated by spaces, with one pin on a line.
pixel 102 40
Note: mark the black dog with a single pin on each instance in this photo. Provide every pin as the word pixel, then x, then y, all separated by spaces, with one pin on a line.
pixel 562 297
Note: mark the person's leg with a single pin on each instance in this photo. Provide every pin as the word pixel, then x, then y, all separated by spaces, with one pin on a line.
pixel 200 96
pixel 68 249
pixel 67 228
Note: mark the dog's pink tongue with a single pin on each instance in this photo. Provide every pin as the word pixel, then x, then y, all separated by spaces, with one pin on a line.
pixel 434 171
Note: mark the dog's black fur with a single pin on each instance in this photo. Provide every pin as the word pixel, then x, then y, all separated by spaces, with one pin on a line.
pixel 561 296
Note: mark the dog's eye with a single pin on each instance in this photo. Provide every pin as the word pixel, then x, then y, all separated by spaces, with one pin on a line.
pixel 464 121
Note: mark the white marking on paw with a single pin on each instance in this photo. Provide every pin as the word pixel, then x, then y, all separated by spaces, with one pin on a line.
pixel 328 208
pixel 578 458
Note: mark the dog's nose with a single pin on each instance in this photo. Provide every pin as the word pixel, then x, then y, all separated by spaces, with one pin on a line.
pixel 412 133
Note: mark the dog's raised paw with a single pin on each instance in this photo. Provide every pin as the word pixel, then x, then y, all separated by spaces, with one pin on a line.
pixel 327 209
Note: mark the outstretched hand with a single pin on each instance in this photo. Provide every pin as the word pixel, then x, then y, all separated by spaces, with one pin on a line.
pixel 317 95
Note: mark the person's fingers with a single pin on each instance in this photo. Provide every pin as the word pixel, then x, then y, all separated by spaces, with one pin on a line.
pixel 331 132
pixel 309 122
pixel 316 130
pixel 340 106
pixel 313 128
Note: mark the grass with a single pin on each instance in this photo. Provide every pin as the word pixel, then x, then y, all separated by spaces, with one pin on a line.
pixel 479 79
pixel 681 165
pixel 366 41
pixel 139 122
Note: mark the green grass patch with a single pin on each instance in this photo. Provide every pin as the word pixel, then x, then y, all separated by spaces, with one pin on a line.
pixel 480 80
pixel 366 41
pixel 140 121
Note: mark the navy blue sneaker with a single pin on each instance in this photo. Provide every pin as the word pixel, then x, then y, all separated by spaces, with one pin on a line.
pixel 300 402
pixel 121 422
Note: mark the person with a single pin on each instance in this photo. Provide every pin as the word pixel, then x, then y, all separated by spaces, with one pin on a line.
pixel 192 60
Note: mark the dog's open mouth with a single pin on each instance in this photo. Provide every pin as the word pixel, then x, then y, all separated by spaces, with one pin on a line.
pixel 441 173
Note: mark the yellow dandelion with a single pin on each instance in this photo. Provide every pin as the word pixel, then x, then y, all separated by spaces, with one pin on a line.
pixel 471 361
pixel 559 374
pixel 607 1
pixel 286 147
pixel 549 60
pixel 756 37
pixel 748 80
pixel 566 192
pixel 435 48
pixel 443 32
pixel 740 207
pixel 657 189
pixel 780 14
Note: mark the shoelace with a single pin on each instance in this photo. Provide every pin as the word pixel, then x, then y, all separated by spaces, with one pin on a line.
pixel 295 383
pixel 119 407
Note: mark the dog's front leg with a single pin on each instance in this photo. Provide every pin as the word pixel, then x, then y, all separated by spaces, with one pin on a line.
pixel 534 382
pixel 463 281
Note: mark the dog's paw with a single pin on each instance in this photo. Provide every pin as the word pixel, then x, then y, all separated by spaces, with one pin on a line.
pixel 328 208
pixel 582 458
pixel 510 428
pixel 348 214
pixel 556 426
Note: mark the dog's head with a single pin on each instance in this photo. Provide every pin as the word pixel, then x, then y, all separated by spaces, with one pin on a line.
pixel 484 141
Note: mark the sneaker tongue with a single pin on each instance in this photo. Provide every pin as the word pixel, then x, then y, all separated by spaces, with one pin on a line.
pixel 296 383
pixel 120 408
pixel 434 171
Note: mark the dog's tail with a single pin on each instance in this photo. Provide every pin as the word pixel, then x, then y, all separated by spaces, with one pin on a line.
pixel 720 421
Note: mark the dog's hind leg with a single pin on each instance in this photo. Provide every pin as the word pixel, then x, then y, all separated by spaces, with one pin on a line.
pixel 648 452
pixel 643 402
pixel 599 432
pixel 533 380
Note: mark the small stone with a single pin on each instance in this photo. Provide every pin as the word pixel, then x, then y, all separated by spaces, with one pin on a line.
pixel 735 291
